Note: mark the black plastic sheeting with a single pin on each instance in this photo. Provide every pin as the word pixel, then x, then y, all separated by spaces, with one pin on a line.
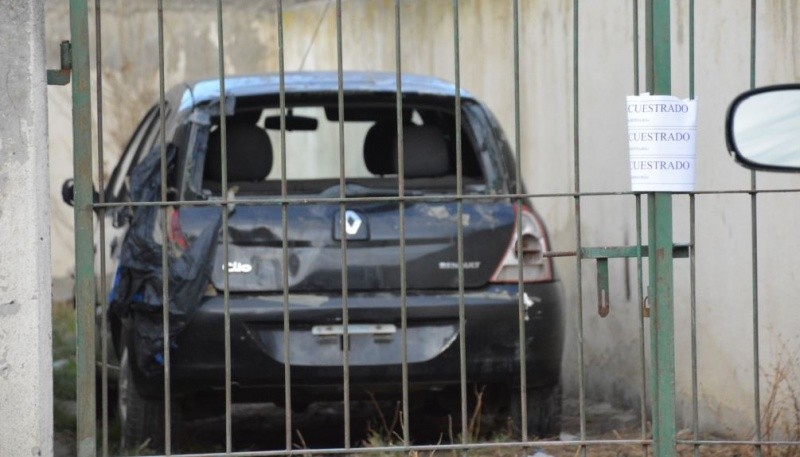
pixel 137 292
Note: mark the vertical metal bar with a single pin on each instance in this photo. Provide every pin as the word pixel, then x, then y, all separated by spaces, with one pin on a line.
pixel 287 372
pixel 693 292
pixel 577 188
pixel 84 243
pixel 342 223
pixel 401 190
pixel 753 30
pixel 101 217
pixel 523 361
pixel 692 260
pixel 636 47
pixel 642 352
pixel 658 46
pixel 162 114
pixel 225 241
pixel 462 327
pixel 691 48
pixel 639 274
pixel 659 210
pixel 754 245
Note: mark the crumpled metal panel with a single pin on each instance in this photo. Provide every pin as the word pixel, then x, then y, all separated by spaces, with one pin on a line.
pixel 137 291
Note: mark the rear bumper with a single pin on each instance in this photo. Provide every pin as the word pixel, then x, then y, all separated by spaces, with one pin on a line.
pixel 316 362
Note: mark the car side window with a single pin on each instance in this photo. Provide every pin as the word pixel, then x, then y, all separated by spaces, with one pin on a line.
pixel 142 140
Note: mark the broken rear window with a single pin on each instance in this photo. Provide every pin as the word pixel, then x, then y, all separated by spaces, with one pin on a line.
pixel 314 150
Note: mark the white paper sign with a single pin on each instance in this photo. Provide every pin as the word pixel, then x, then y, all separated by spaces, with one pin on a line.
pixel 661 140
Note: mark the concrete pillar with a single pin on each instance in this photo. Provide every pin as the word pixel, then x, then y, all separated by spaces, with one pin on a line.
pixel 26 381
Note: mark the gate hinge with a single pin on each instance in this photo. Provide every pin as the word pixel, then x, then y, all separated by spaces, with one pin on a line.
pixel 61 77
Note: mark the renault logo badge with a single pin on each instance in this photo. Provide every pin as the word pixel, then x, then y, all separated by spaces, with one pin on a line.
pixel 352 222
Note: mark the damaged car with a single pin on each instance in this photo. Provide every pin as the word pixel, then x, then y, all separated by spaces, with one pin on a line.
pixel 260 236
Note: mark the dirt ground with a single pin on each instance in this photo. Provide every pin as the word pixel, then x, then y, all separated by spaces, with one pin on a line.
pixel 261 427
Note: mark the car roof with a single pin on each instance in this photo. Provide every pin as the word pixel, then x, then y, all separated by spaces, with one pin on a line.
pixel 197 92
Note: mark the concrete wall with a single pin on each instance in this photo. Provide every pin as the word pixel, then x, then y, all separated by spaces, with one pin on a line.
pixel 26 376
pixel 723 229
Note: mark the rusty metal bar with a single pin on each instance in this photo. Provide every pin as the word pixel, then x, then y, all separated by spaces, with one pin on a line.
pixel 693 313
pixel 513 445
pixel 287 366
pixel 576 146
pixel 343 223
pixel 162 115
pixel 523 362
pixel 754 253
pixel 462 318
pixel 225 230
pixel 415 198
pixel 402 227
pixel 693 253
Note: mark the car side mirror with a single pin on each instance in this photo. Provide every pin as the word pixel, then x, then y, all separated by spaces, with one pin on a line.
pixel 68 192
pixel 762 128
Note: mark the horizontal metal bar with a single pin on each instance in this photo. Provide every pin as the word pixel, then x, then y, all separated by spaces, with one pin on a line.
pixel 612 252
pixel 407 198
pixel 58 77
pixel 739 443
pixel 430 447
pixel 560 254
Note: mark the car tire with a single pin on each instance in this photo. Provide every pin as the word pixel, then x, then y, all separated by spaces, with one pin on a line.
pixel 544 411
pixel 141 419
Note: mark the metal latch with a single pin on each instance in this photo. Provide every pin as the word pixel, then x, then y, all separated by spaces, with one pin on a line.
pixel 603 307
pixel 61 77
pixel 602 254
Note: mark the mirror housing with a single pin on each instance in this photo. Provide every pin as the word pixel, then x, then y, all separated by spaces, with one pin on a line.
pixel 762 128
pixel 68 192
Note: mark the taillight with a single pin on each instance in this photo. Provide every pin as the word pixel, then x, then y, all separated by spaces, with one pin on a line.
pixel 535 266
pixel 175 230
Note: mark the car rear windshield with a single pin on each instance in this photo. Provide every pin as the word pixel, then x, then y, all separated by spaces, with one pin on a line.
pixel 319 149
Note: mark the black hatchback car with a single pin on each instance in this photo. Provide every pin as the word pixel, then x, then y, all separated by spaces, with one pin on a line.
pixel 340 164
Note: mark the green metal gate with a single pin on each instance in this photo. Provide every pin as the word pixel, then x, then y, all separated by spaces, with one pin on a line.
pixel 659 250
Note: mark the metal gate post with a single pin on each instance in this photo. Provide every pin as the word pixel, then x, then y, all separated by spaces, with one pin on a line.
pixel 84 237
pixel 659 221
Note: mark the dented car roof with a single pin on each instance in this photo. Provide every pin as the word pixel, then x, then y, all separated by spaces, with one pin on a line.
pixel 197 92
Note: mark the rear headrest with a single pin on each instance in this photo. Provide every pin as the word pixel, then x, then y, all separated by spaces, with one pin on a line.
pixel 377 144
pixel 424 152
pixel 249 153
pixel 424 148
